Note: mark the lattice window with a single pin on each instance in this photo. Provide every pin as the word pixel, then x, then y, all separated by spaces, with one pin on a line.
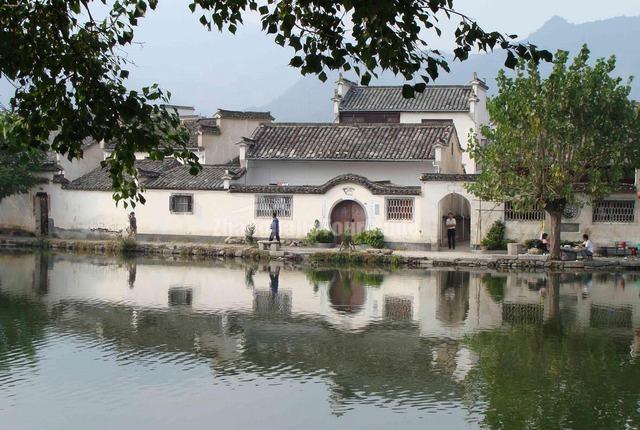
pixel 181 203
pixel 267 204
pixel 511 214
pixel 399 209
pixel 614 211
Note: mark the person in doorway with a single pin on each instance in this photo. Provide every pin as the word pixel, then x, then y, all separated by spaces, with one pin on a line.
pixel 450 223
pixel 587 247
pixel 275 228
pixel 133 225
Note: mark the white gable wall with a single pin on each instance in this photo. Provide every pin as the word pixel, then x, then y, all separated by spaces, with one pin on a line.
pixel 462 121
pixel 222 148
pixel 91 158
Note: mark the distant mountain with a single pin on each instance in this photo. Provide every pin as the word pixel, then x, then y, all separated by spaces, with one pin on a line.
pixel 310 100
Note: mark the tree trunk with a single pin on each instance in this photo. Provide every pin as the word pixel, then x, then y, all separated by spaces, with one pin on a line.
pixel 555 210
pixel 553 324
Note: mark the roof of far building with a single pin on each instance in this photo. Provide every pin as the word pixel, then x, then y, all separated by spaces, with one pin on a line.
pixel 166 174
pixel 195 125
pixel 357 142
pixel 236 114
pixel 209 178
pixel 435 98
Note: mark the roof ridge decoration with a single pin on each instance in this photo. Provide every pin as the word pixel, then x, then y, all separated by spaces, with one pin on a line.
pixel 239 114
pixel 351 178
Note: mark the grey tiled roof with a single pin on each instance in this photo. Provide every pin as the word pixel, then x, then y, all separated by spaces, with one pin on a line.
pixel 376 188
pixel 202 125
pixel 98 179
pixel 194 125
pixel 209 178
pixel 329 141
pixel 167 174
pixel 236 114
pixel 435 98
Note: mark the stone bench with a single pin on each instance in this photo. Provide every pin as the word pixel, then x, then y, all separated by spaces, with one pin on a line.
pixel 272 245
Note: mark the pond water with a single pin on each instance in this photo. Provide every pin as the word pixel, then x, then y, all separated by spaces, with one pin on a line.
pixel 104 343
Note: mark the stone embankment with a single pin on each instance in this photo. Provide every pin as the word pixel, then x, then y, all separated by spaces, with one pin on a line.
pixel 320 256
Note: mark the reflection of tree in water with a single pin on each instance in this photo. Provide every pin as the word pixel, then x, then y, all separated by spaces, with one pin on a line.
pixel 453 296
pixel 22 324
pixel 530 378
pixel 495 285
pixel 347 287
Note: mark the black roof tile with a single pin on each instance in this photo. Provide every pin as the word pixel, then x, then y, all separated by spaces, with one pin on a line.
pixel 435 98
pixel 365 142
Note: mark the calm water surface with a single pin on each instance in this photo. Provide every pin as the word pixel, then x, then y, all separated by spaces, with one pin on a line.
pixel 100 343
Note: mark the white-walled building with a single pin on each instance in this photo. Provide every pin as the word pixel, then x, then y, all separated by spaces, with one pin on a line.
pixel 386 162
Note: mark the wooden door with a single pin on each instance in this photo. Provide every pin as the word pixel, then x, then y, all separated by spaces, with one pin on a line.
pixel 348 215
pixel 42 206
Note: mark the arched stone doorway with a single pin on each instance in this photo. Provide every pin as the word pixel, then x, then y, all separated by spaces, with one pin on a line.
pixel 348 215
pixel 461 209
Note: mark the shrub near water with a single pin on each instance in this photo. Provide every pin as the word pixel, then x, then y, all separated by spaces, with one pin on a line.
pixel 495 237
pixel 319 235
pixel 373 238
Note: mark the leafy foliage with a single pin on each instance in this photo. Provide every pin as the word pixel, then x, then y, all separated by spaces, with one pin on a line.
pixel 496 286
pixel 319 235
pixel 577 130
pixel 495 237
pixel 373 238
pixel 17 170
pixel 63 57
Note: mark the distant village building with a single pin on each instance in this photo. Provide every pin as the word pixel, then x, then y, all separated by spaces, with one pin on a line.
pixel 385 162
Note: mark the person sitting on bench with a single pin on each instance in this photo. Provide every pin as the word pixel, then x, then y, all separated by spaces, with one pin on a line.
pixel 543 243
pixel 587 247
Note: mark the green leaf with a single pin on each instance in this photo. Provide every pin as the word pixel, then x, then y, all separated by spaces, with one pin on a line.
pixel 407 91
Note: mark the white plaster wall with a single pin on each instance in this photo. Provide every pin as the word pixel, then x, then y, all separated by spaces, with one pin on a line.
pixel 451 157
pixel 91 157
pixel 600 233
pixel 222 148
pixel 484 214
pixel 87 211
pixel 318 172
pixel 221 214
pixel 18 211
pixel 463 122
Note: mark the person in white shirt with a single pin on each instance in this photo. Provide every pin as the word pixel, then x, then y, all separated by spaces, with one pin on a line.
pixel 587 245
pixel 450 223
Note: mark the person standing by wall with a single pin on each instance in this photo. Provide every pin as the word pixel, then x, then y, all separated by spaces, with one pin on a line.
pixel 450 223
pixel 133 225
pixel 275 228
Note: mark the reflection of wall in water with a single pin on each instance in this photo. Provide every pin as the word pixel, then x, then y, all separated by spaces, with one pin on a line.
pixel 453 296
pixel 266 303
pixel 398 308
pixel 180 296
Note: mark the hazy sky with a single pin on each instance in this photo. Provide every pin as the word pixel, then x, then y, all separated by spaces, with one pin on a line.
pixel 211 70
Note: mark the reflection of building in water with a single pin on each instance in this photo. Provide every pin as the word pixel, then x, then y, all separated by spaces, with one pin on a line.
pixel 180 296
pixel 522 313
pixel 237 328
pixel 448 304
pixel 347 292
pixel 267 303
pixel 453 297
pixel 398 308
